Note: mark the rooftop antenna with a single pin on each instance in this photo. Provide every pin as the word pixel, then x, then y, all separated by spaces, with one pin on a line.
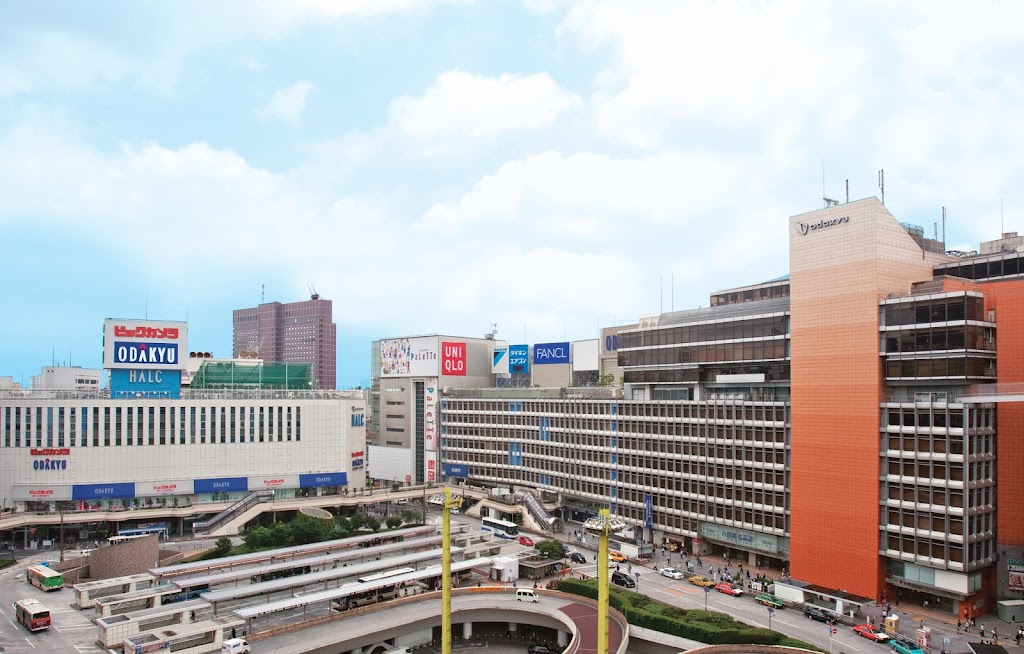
pixel 943 228
pixel 847 191
pixel 1001 231
pixel 494 330
pixel 313 295
pixel 829 202
pixel 263 293
pixel 881 183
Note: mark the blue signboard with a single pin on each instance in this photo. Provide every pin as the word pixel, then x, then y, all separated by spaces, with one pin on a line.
pixel 519 358
pixel 546 353
pixel 323 479
pixel 146 354
pixel 222 485
pixel 456 470
pixel 102 491
pixel 145 383
pixel 648 512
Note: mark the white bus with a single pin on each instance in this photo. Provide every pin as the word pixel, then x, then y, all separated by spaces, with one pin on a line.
pixel 33 615
pixel 502 528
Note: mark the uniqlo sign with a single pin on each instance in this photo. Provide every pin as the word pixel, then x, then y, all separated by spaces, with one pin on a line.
pixel 453 359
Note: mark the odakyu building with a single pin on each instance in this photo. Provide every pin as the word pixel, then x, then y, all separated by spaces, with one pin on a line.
pixel 241 426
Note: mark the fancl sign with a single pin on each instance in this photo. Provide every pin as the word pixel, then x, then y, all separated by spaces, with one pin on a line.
pixel 807 228
pixel 546 353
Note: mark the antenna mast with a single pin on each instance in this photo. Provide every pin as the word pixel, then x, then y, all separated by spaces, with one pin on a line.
pixel 881 183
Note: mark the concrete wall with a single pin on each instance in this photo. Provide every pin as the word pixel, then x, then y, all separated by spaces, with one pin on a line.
pixel 128 558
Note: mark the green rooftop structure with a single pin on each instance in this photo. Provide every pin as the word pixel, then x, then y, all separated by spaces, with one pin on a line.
pixel 237 375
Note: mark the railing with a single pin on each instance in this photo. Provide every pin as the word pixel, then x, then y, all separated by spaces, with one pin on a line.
pixel 990 390
pixel 236 509
pixel 547 521
pixel 186 394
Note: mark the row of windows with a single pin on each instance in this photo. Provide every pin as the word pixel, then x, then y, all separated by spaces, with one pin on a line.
pixel 950 309
pixel 508 412
pixel 971 337
pixel 141 425
pixel 703 333
pixel 722 352
pixel 960 366
pixel 924 548
pixel 773 372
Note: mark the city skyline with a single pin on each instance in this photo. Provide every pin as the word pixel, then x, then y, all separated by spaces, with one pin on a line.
pixel 436 167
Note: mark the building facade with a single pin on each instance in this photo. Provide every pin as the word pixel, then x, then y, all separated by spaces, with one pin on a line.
pixel 74 378
pixel 296 332
pixel 845 422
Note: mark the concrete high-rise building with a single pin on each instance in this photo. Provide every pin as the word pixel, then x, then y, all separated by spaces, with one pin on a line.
pixel 297 332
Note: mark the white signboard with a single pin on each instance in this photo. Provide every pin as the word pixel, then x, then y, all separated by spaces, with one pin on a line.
pixel 275 481
pixel 409 357
pixel 145 344
pixel 156 488
pixel 499 358
pixel 430 421
pixel 585 356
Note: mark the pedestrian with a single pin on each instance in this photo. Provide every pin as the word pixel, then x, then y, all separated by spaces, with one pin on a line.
pixel 925 603
pixel 232 632
pixel 995 635
pixel 629 567
pixel 958 626
pixel 982 631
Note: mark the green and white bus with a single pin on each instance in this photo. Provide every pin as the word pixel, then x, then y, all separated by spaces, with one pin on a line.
pixel 44 578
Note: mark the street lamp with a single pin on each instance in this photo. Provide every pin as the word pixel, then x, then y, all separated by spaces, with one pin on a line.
pixel 770 612
pixel 707 591
pixel 602 525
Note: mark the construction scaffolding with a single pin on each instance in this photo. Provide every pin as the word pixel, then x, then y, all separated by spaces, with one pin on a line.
pixel 236 375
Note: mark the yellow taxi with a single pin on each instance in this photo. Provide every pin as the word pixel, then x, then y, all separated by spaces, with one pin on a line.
pixel 700 580
pixel 616 556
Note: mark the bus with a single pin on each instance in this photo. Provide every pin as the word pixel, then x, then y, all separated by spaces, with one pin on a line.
pixel 114 540
pixel 501 528
pixel 159 529
pixel 33 615
pixel 44 578
pixel 385 575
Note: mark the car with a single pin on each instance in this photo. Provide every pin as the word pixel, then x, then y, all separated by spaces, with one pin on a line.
pixel 542 649
pixel 616 556
pixel 904 646
pixel 770 600
pixel 622 579
pixel 814 613
pixel 728 589
pixel 869 632
pixel 526 540
pixel 701 580
pixel 576 557
pixel 672 573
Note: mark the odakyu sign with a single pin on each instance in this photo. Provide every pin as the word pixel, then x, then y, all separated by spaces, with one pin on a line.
pixel 144 344
pixel 102 491
pixel 316 479
pixel 221 485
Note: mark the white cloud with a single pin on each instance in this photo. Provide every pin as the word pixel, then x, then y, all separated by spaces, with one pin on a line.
pixel 288 104
pixel 473 105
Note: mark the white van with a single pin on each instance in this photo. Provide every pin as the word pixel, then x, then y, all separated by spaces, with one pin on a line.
pixel 399 650
pixel 235 646
pixel 526 595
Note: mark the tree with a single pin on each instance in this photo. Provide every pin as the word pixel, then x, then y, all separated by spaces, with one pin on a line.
pixel 257 537
pixel 223 546
pixel 393 522
pixel 551 549
pixel 373 524
pixel 307 530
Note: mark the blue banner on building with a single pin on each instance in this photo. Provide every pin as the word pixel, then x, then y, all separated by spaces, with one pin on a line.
pixel 519 358
pixel 102 491
pixel 323 479
pixel 146 354
pixel 648 512
pixel 548 353
pixel 127 383
pixel 456 470
pixel 222 485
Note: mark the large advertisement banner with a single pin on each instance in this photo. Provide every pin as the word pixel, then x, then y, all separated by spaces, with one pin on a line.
pixel 149 344
pixel 430 416
pixel 1015 568
pixel 408 357
pixel 549 353
pixel 499 359
pixel 519 358
pixel 453 359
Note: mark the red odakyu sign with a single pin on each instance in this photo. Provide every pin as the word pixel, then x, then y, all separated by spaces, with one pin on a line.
pixel 121 331
pixel 50 451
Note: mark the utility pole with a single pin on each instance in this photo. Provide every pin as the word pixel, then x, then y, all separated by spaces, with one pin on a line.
pixel 446 569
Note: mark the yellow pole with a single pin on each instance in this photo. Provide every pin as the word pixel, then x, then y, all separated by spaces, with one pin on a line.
pixel 446 570
pixel 602 585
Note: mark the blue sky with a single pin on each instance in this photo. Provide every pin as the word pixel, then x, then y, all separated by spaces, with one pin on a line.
pixel 437 166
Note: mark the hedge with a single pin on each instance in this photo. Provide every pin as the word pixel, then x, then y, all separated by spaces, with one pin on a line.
pixel 711 627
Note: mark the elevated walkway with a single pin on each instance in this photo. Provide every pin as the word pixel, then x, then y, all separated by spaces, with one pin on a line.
pixel 233 511
pixel 547 521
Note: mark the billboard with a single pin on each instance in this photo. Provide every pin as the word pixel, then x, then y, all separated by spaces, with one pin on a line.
pixel 144 344
pixel 409 357
pixel 519 358
pixel 499 359
pixel 157 488
pixel 456 470
pixel 147 383
pixel 549 353
pixel 221 485
pixel 585 356
pixel 430 416
pixel 453 359
pixel 316 479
